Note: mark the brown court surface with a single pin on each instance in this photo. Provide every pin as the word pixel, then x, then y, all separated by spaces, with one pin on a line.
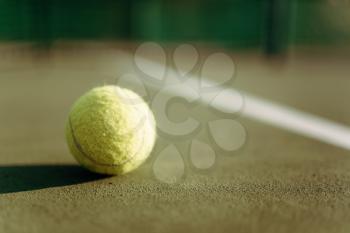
pixel 279 181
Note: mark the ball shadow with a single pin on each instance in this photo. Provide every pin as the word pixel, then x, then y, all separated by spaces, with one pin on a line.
pixel 17 178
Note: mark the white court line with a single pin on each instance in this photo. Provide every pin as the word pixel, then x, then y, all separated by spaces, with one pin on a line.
pixel 297 121
pixel 274 114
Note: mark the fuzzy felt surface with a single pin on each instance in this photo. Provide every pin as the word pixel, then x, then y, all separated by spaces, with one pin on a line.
pixel 110 130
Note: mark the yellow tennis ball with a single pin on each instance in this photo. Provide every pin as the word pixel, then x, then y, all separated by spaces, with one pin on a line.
pixel 110 130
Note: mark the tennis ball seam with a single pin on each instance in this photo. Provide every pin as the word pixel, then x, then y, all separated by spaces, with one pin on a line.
pixel 80 149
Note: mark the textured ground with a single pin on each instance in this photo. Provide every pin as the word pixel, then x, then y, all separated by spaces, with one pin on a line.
pixel 279 182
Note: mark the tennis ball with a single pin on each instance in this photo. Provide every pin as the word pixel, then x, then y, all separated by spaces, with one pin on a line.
pixel 110 130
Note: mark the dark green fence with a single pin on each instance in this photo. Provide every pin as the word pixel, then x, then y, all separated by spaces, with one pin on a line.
pixel 272 24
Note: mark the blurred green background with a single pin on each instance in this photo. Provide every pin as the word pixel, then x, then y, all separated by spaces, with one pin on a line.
pixel 269 24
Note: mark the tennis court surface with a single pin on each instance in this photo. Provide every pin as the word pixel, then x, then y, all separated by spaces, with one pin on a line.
pixel 278 181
